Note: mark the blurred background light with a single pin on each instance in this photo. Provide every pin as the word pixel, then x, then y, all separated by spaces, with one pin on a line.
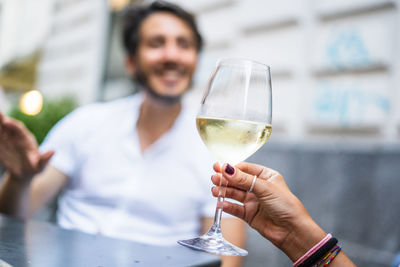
pixel 117 5
pixel 31 102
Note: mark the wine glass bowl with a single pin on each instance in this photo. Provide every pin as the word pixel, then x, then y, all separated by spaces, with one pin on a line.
pixel 234 121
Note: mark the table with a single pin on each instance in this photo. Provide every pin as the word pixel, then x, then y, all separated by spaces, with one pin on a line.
pixel 36 243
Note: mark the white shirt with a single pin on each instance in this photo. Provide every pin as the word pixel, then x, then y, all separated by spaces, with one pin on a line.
pixel 157 197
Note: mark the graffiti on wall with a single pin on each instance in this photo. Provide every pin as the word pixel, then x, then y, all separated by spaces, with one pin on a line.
pixel 348 100
pixel 346 105
pixel 346 49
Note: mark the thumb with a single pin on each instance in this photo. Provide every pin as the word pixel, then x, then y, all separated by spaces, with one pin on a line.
pixel 45 158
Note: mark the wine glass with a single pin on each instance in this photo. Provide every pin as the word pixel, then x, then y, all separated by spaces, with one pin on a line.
pixel 234 121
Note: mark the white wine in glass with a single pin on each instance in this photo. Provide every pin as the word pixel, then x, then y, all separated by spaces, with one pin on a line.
pixel 234 121
pixel 231 140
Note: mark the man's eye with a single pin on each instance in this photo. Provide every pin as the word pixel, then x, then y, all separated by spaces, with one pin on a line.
pixel 185 44
pixel 155 43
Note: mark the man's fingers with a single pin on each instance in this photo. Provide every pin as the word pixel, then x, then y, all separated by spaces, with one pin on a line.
pixel 2 128
pixel 44 159
pixel 1 119
pixel 47 155
pixel 15 125
pixel 12 127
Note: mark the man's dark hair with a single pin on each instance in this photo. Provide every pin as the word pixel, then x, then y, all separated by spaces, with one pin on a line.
pixel 133 17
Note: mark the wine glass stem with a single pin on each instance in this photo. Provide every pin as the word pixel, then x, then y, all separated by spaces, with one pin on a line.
pixel 218 211
pixel 218 215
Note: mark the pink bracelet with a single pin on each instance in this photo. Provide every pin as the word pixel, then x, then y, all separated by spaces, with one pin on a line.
pixel 312 250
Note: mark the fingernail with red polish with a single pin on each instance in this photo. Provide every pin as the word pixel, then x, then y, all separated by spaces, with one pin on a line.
pixel 229 169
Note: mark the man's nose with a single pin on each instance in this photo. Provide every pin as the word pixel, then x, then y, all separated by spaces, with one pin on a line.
pixel 171 52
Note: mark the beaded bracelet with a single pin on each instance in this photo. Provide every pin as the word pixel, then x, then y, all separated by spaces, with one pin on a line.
pixel 333 256
pixel 333 252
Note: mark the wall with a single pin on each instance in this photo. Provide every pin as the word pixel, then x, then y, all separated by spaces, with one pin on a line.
pixel 335 66
pixel 24 25
pixel 74 52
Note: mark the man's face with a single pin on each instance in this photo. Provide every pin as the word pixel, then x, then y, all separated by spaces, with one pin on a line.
pixel 166 56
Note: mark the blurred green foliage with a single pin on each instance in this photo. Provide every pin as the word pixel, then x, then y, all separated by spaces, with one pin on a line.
pixel 52 111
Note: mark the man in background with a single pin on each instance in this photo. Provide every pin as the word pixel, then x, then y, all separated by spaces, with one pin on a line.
pixel 132 168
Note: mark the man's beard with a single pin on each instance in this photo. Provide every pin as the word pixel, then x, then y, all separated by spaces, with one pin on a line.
pixel 140 80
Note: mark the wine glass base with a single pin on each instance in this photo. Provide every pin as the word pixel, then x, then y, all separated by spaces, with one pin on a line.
pixel 211 244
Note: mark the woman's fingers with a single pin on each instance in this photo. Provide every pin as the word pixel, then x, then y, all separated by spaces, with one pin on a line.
pixel 234 177
pixel 234 209
pixel 237 178
pixel 246 176
pixel 230 192
pixel 217 167
pixel 249 168
pixel 229 207
pixel 257 170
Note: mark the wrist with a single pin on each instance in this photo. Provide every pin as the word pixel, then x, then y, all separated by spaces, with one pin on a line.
pixel 18 180
pixel 304 235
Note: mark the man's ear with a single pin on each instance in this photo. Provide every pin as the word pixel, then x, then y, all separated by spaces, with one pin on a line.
pixel 130 65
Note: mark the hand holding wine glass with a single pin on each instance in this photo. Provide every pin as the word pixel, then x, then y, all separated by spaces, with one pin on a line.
pixel 277 214
pixel 234 121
